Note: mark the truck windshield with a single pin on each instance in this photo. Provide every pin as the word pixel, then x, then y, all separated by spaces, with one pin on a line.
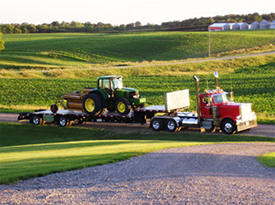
pixel 117 83
pixel 220 98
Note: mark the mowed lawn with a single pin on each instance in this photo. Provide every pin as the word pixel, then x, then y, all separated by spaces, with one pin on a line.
pixel 27 151
pixel 78 49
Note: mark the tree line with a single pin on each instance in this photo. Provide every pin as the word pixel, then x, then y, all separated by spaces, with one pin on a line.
pixel 194 24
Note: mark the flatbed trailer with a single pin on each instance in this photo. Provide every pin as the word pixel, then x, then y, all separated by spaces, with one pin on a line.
pixel 138 115
pixel 69 117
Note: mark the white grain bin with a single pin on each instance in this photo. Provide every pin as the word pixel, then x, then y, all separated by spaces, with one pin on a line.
pixel 272 24
pixel 219 27
pixel 234 26
pixel 243 26
pixel 254 25
pixel 264 24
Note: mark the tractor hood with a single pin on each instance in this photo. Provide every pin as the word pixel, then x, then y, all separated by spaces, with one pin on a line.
pixel 129 90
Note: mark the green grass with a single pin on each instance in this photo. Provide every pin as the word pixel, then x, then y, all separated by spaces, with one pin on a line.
pixel 75 49
pixel 27 151
pixel 268 159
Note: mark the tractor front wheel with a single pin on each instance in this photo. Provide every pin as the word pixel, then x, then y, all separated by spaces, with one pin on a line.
pixel 123 106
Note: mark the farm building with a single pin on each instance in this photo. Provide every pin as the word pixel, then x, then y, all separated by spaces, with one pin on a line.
pixel 219 27
pixel 254 25
pixel 272 25
pixel 234 26
pixel 243 26
pixel 264 24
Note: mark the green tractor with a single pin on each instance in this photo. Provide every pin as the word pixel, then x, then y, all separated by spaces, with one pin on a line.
pixel 109 94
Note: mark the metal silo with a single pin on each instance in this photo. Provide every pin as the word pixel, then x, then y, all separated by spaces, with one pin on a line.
pixel 272 24
pixel 243 26
pixel 264 24
pixel 254 25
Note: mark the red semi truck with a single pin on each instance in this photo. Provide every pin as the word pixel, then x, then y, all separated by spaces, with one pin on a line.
pixel 214 112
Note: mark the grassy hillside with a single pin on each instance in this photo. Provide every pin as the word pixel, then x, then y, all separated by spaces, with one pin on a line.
pixel 50 50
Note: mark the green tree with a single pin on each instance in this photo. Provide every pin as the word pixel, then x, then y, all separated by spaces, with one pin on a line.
pixel 2 46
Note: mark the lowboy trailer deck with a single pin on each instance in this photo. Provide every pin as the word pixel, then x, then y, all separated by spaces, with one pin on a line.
pixel 138 115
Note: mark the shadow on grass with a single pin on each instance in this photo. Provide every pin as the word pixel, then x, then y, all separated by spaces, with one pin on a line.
pixel 23 134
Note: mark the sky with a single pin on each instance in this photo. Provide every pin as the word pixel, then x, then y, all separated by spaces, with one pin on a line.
pixel 124 11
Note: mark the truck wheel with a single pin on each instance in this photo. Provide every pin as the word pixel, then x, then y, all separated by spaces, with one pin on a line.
pixel 156 124
pixel 123 106
pixel 54 108
pixel 36 120
pixel 62 121
pixel 228 126
pixel 91 104
pixel 171 125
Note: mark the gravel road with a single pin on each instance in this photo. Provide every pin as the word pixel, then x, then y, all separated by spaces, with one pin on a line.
pixel 208 174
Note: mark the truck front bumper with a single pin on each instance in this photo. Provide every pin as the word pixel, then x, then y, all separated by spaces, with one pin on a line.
pixel 247 124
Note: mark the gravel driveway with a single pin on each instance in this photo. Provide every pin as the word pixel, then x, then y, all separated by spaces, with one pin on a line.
pixel 208 174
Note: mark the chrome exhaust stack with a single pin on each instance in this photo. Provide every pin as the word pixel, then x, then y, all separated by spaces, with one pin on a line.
pixel 216 75
pixel 197 80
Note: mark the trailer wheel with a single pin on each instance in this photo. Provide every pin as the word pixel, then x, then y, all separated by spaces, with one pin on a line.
pixel 63 121
pixel 36 120
pixel 228 126
pixel 156 124
pixel 171 125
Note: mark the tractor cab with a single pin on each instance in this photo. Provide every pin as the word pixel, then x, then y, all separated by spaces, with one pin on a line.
pixel 110 82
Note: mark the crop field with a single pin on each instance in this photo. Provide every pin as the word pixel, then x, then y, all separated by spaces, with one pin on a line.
pixel 254 85
pixel 82 50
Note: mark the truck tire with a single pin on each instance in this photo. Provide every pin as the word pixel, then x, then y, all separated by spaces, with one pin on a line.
pixel 228 126
pixel 122 106
pixel 156 124
pixel 172 125
pixel 36 120
pixel 63 121
pixel 54 108
pixel 92 104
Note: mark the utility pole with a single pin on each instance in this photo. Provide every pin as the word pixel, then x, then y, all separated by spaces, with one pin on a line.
pixel 209 44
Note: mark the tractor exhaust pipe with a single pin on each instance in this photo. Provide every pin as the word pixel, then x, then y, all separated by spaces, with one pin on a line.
pixel 197 80
pixel 216 79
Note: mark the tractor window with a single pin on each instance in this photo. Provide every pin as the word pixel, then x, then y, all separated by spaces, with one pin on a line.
pixel 117 83
pixel 105 84
pixel 220 98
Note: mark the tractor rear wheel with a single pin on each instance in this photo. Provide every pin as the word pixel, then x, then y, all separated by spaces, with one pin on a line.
pixel 123 106
pixel 92 104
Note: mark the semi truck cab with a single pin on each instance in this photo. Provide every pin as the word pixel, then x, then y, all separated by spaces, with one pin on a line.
pixel 228 115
